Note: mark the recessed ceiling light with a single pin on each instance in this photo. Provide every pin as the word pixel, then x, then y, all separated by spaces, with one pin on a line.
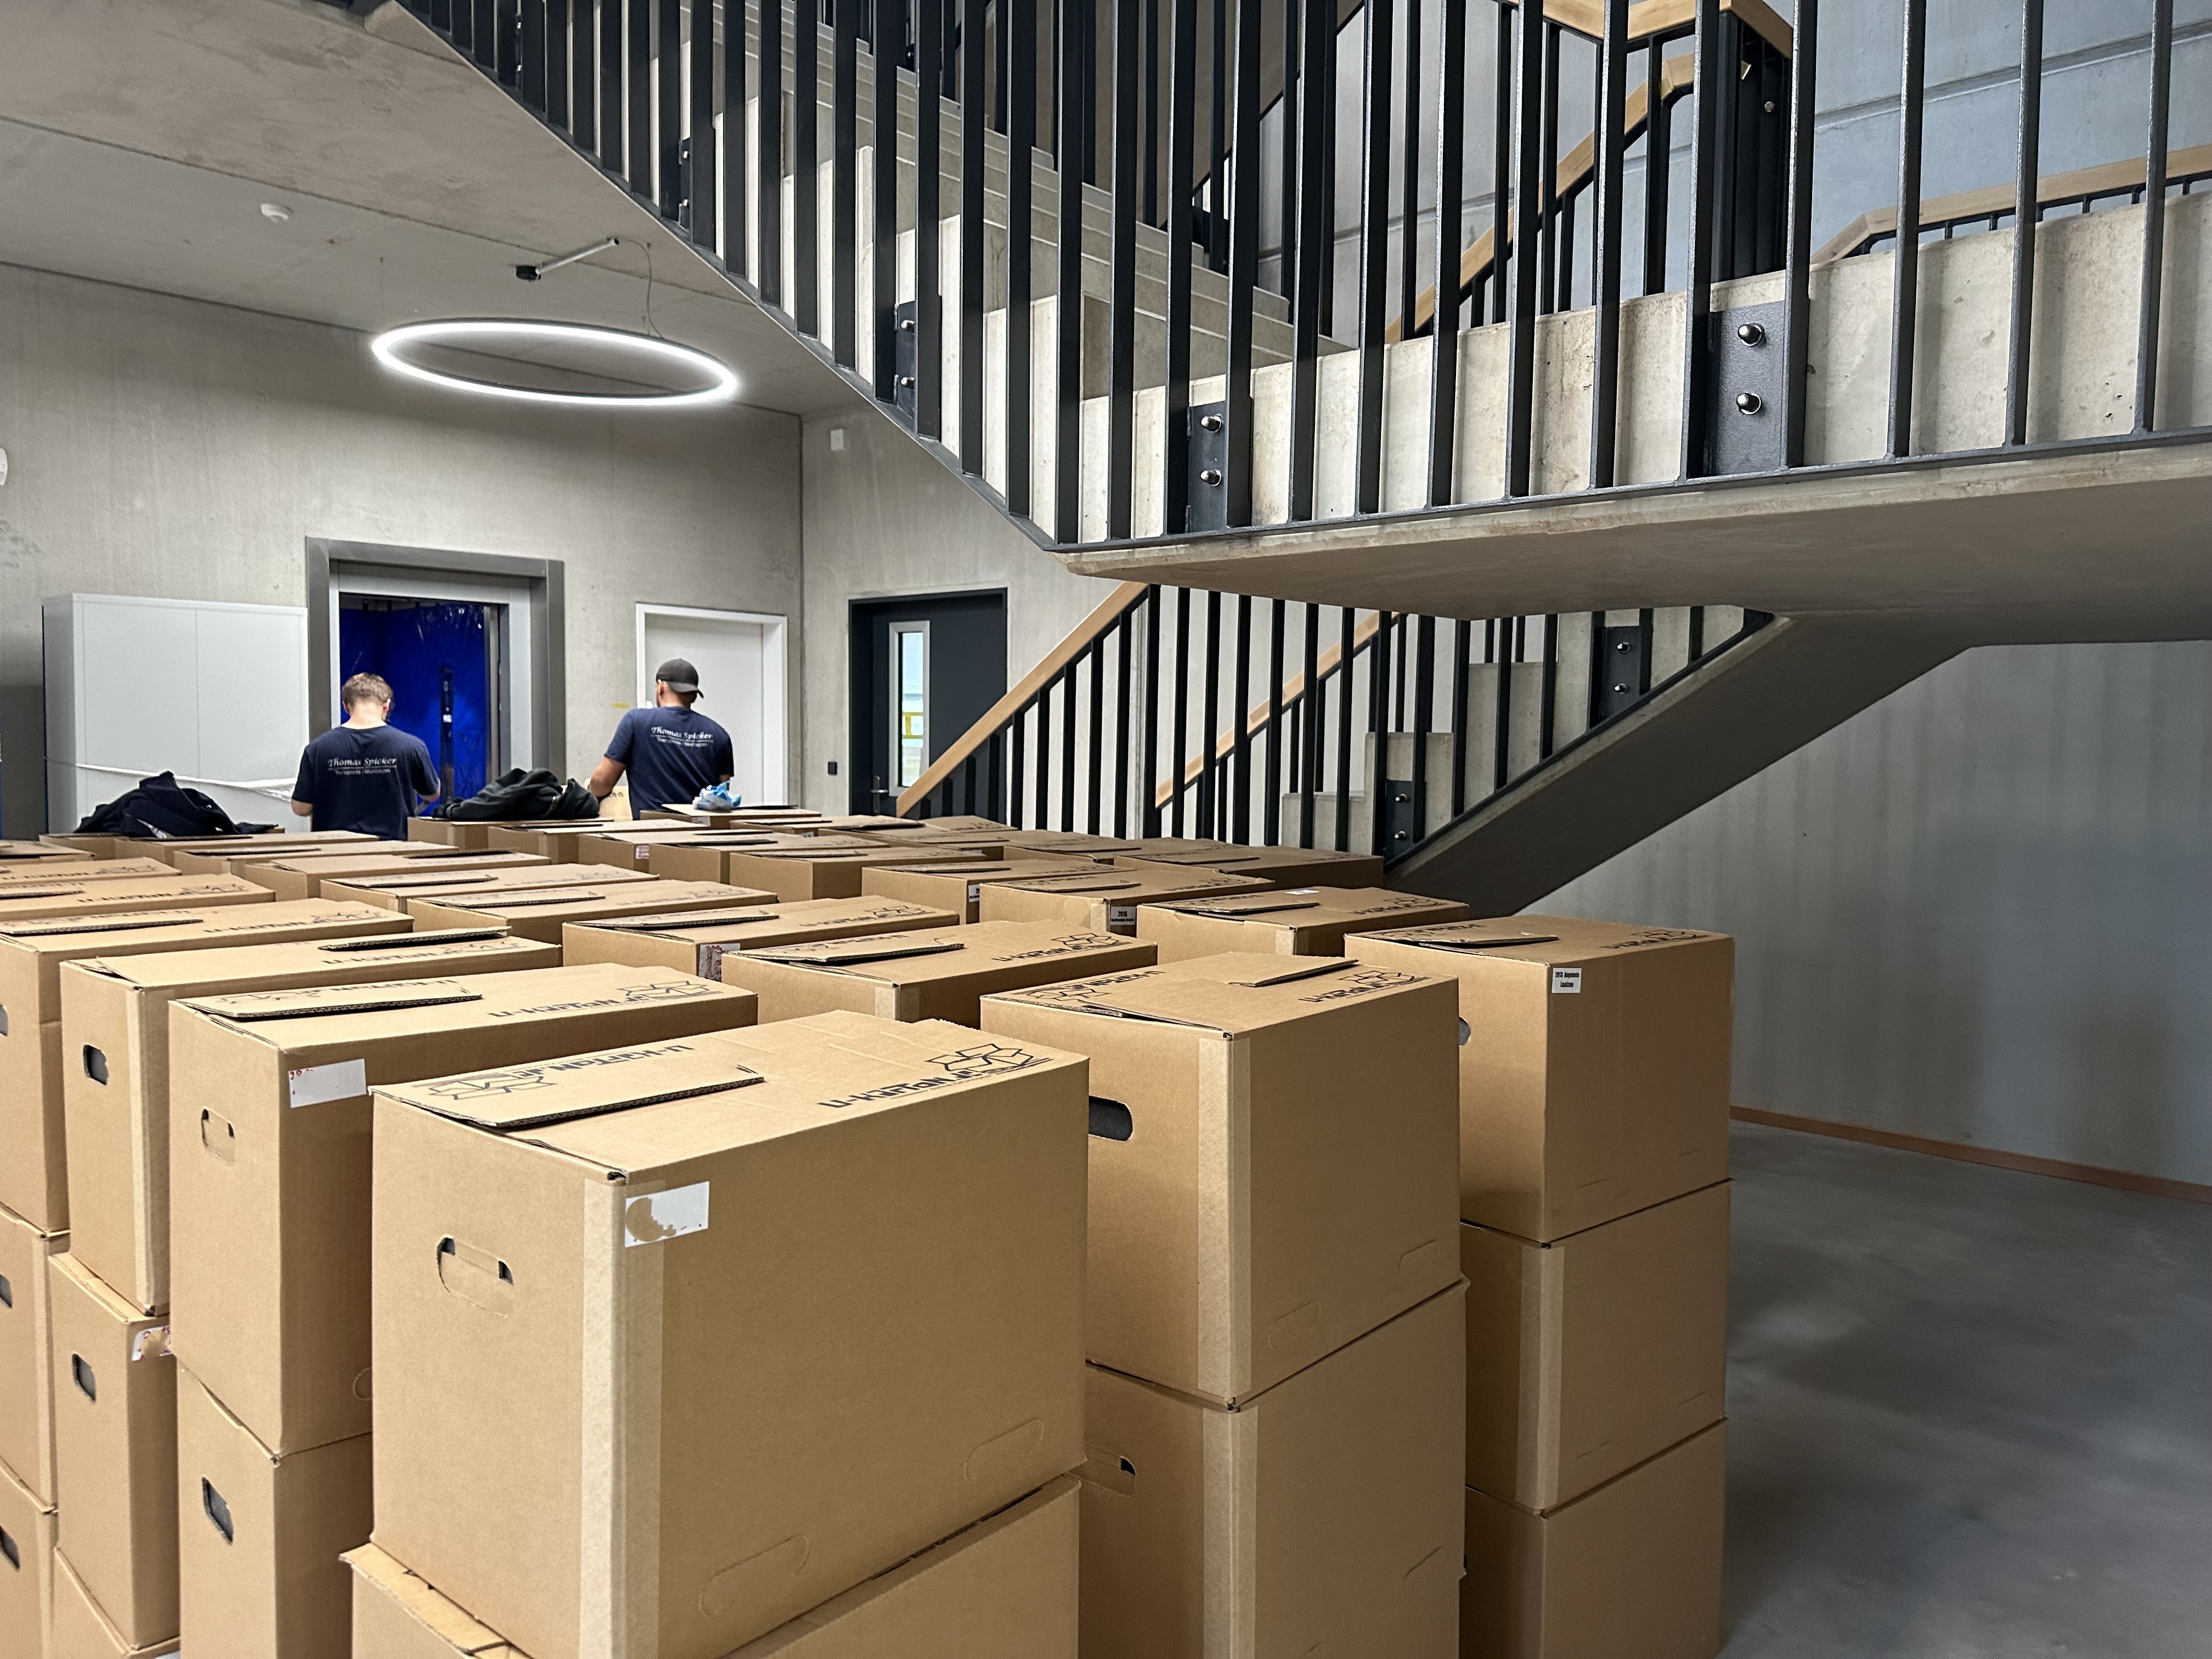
pixel 275 210
pixel 487 333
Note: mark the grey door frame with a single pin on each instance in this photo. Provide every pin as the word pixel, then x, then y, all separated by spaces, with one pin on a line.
pixel 544 579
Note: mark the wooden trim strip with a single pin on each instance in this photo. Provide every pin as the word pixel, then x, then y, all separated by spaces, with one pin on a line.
pixel 2126 1181
pixel 1079 640
pixel 1648 17
pixel 1993 199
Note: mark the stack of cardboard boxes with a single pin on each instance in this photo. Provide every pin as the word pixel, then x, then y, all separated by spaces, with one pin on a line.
pixel 1595 1201
pixel 767 1342
pixel 1274 1313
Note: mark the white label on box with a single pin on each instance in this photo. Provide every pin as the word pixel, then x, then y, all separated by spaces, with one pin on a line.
pixel 314 1085
pixel 975 892
pixel 1566 981
pixel 652 1217
pixel 1120 916
pixel 645 852
pixel 710 962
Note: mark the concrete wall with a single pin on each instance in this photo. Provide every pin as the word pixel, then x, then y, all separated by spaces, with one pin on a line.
pixel 1980 911
pixel 883 519
pixel 175 449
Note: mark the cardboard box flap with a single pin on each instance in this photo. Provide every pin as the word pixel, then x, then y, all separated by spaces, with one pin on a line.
pixel 1464 936
pixel 1231 994
pixel 529 898
pixel 679 921
pixel 1105 881
pixel 440 1617
pixel 413 941
pixel 851 952
pixel 123 924
pixel 46 890
pixel 528 1097
pixel 308 1001
pixel 1234 907
pixel 1256 972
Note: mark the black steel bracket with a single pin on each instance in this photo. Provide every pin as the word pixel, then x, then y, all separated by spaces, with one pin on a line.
pixel 1750 382
pixel 1206 456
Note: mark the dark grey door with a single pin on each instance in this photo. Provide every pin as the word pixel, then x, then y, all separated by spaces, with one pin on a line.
pixel 924 671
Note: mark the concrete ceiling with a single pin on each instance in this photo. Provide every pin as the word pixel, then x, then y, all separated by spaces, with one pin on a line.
pixel 137 144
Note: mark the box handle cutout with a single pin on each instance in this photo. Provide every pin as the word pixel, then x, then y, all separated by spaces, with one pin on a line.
pixel 1465 1034
pixel 476 1276
pixel 1109 1473
pixel 95 1065
pixel 81 1373
pixel 3 1020
pixel 218 1137
pixel 7 1293
pixel 1014 1449
pixel 1110 1120
pixel 217 1511
pixel 11 1549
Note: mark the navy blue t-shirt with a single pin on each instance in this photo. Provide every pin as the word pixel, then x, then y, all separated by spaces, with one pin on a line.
pixel 672 754
pixel 365 778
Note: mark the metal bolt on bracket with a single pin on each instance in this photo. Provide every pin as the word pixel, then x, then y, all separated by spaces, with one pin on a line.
pixel 1211 422
pixel 1752 335
pixel 1749 402
pixel 1210 476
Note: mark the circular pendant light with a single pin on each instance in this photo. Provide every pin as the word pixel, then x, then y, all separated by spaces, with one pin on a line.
pixel 489 355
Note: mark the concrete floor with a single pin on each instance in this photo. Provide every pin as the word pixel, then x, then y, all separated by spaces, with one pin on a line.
pixel 1973 1412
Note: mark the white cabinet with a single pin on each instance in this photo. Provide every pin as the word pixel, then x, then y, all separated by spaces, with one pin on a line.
pixel 217 694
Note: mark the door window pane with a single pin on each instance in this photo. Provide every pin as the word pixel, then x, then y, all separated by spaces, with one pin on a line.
pixel 910 700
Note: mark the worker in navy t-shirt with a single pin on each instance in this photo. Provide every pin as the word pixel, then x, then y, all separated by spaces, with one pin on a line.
pixel 671 750
pixel 365 774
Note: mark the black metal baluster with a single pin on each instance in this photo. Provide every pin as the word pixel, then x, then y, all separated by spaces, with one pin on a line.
pixel 1121 302
pixel 1444 322
pixel 638 64
pixel 1409 199
pixel 929 228
pixel 1244 262
pixel 1148 811
pixel 975 152
pixel 844 184
pixel 1425 717
pixel 1904 304
pixel 1347 657
pixel 1289 257
pixel 1373 255
pixel 1462 643
pixel 1240 704
pixel 1611 144
pixel 767 265
pixel 2026 217
pixel 1520 373
pixel 705 199
pixel 612 124
pixel 668 111
pixel 1097 758
pixel 1311 305
pixel 1507 653
pixel 1217 203
pixel 1149 163
pixel 1014 763
pixel 2153 265
pixel 1547 692
pixel 1379 729
pixel 583 75
pixel 507 31
pixel 1121 631
pixel 1182 105
pixel 1021 244
pixel 1658 165
pixel 890 27
pixel 1797 296
pixel 461 21
pixel 1067 682
pixel 928 88
pixel 537 83
pixel 1271 805
pixel 1067 425
pixel 1697 354
pixel 1209 801
pixel 1308 760
pixel 1504 127
pixel 997 788
pixel 1547 174
pixel 806 168
pixel 1181 707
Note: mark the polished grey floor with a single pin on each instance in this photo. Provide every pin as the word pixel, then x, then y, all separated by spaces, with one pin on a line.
pixel 1973 1412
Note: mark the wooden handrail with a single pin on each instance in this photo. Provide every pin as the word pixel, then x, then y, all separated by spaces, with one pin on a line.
pixel 1294 691
pixel 1648 17
pixel 2108 178
pixel 1079 640
pixel 1676 76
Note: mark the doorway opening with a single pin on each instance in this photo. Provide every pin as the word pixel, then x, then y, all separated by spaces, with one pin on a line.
pixel 445 659
pixel 740 657
pixel 924 670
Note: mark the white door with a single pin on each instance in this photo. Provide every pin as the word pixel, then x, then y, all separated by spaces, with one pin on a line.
pixel 740 659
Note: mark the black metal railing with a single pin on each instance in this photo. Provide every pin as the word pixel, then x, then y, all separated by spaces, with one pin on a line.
pixel 1175 712
pixel 1168 170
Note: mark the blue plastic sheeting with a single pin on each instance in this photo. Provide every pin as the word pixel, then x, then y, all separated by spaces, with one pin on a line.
pixel 415 644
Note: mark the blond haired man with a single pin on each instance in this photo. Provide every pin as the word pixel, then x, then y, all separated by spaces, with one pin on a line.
pixel 365 774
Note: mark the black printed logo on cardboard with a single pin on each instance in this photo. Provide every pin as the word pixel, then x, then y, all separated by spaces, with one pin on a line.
pixel 673 990
pixel 1367 984
pixel 987 1060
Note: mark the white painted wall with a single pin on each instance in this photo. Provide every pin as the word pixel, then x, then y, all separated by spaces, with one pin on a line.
pixel 884 519
pixel 175 449
pixel 1981 910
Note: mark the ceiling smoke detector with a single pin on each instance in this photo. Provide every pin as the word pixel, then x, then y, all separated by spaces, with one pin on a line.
pixel 276 212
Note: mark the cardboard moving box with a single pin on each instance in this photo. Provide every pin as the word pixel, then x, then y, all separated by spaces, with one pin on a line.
pixel 115 1451
pixel 1105 900
pixel 74 895
pixel 631 846
pixel 305 877
pixel 940 975
pixel 27 1378
pixel 115 1093
pixel 541 913
pixel 34 943
pixel 1271 1159
pixel 269 1119
pixel 1631 1570
pixel 1278 866
pixel 81 1630
pixel 259 1535
pixel 823 869
pixel 844 1258
pixel 392 892
pixel 1589 1354
pixel 1320 1517
pixel 1063 844
pixel 957 886
pixel 1004 1588
pixel 1594 1078
pixel 1298 921
pixel 695 943
pixel 26 1571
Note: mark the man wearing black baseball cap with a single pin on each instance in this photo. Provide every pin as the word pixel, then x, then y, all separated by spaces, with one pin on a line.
pixel 671 750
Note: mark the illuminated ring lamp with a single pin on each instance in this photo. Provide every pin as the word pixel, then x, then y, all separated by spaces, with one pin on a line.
pixel 463 332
